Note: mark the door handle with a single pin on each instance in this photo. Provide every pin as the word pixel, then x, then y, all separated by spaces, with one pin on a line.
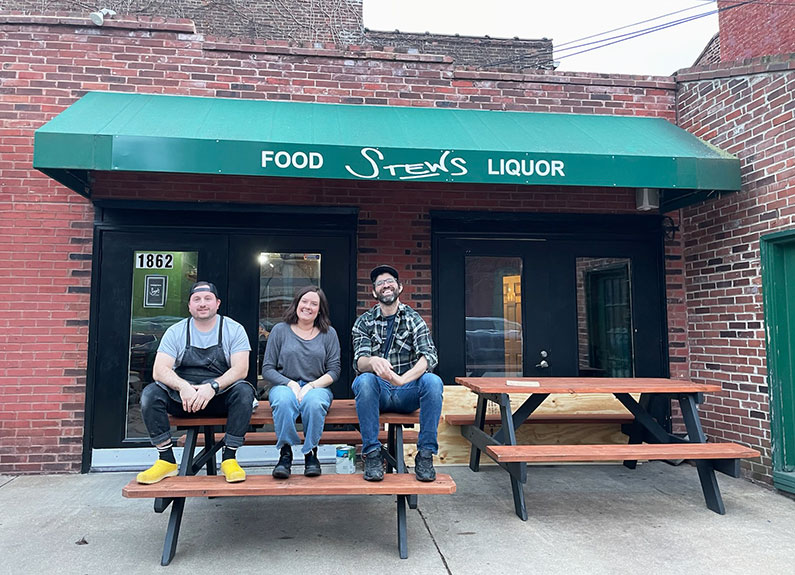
pixel 543 364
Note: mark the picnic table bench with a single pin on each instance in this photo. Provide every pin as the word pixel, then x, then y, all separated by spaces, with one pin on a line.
pixel 200 429
pixel 647 438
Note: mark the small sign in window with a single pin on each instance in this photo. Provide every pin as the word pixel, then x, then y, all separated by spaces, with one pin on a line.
pixel 156 287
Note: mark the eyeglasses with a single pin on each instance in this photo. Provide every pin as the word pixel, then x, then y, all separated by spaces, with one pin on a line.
pixel 385 282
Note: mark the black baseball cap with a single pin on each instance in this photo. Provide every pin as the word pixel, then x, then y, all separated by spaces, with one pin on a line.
pixel 383 269
pixel 204 286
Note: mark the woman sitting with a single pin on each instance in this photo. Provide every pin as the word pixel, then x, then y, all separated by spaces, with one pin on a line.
pixel 302 360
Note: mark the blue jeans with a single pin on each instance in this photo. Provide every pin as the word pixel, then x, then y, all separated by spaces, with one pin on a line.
pixel 235 403
pixel 375 395
pixel 286 409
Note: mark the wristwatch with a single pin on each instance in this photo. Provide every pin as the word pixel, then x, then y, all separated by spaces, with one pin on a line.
pixel 215 386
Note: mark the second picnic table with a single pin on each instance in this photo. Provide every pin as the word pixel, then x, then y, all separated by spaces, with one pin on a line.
pixel 647 438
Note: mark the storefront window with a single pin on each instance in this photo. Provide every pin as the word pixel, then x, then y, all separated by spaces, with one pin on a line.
pixel 280 276
pixel 161 288
pixel 493 316
pixel 604 317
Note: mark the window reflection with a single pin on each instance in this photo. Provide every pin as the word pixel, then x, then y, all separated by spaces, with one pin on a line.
pixel 280 276
pixel 604 314
pixel 161 286
pixel 493 302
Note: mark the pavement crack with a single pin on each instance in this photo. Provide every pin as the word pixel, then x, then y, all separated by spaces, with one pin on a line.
pixel 435 544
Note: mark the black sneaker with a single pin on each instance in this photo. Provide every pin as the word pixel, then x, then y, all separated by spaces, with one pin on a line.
pixel 423 465
pixel 282 469
pixel 373 466
pixel 311 464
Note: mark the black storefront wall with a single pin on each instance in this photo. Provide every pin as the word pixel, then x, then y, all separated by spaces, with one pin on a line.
pixel 548 246
pixel 227 239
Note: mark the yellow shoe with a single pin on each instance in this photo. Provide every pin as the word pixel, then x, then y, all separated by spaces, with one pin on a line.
pixel 232 471
pixel 157 472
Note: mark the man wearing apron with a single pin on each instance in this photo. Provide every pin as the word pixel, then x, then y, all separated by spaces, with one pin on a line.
pixel 200 367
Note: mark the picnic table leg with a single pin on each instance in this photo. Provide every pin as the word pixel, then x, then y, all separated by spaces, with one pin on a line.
pixel 706 472
pixel 390 447
pixel 636 433
pixel 480 422
pixel 401 461
pixel 175 519
pixel 401 527
pixel 209 444
pixel 172 533
pixel 517 483
pixel 162 503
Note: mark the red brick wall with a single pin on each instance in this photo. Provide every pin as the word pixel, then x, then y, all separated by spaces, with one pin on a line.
pixel 46 63
pixel 755 29
pixel 748 111
pixel 334 21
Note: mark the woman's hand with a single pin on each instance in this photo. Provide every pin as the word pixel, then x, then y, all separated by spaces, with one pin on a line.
pixel 304 390
pixel 296 389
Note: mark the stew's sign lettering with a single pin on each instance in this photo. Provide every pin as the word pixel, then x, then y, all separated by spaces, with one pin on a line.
pixel 406 164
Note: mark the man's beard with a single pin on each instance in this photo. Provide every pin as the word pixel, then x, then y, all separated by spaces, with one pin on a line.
pixel 388 299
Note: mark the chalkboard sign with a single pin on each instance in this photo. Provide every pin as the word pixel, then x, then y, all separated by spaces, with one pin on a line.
pixel 156 287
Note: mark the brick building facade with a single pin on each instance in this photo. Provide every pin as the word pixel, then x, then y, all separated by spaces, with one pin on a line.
pixel 747 109
pixel 754 29
pixel 311 22
pixel 715 327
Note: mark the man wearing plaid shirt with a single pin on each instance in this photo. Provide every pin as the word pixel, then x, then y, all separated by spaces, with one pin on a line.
pixel 394 356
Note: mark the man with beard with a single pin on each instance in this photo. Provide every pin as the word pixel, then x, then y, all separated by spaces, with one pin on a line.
pixel 199 368
pixel 394 356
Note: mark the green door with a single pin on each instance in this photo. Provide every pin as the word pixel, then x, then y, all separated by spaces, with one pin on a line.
pixel 778 286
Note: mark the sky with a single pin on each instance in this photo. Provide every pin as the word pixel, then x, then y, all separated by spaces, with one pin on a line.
pixel 658 53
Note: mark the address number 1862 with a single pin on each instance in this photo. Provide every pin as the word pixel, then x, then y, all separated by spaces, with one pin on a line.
pixel 149 261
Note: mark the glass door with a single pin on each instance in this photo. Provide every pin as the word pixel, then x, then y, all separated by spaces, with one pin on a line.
pixel 549 308
pixel 269 269
pixel 144 283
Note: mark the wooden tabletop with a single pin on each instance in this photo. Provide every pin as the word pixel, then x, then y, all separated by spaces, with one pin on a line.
pixel 582 385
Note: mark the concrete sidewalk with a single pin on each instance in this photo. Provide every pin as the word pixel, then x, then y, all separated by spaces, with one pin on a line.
pixel 583 519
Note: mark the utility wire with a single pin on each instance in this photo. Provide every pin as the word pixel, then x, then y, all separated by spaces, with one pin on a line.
pixel 635 24
pixel 630 35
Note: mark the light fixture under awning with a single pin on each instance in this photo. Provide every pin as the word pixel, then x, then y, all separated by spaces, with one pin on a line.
pixel 106 131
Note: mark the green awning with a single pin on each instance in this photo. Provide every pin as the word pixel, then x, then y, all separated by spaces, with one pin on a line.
pixel 106 131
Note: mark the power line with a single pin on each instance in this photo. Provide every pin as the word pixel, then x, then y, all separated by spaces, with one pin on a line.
pixel 635 34
pixel 630 35
pixel 635 24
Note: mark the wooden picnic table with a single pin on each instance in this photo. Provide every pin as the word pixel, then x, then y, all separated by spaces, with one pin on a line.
pixel 647 438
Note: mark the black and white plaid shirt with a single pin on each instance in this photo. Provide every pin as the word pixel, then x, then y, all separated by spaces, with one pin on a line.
pixel 411 339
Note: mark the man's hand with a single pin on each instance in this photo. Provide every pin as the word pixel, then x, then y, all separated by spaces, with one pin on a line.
pixel 381 367
pixel 395 379
pixel 204 393
pixel 187 394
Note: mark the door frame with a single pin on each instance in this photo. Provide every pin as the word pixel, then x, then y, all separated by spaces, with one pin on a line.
pixel 577 235
pixel 229 220
pixel 779 356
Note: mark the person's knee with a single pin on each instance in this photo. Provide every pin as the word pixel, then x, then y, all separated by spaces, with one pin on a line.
pixel 432 384
pixel 315 403
pixel 365 384
pixel 150 395
pixel 280 395
pixel 241 392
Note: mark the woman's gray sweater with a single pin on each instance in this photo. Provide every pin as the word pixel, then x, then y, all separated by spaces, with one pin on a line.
pixel 288 357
